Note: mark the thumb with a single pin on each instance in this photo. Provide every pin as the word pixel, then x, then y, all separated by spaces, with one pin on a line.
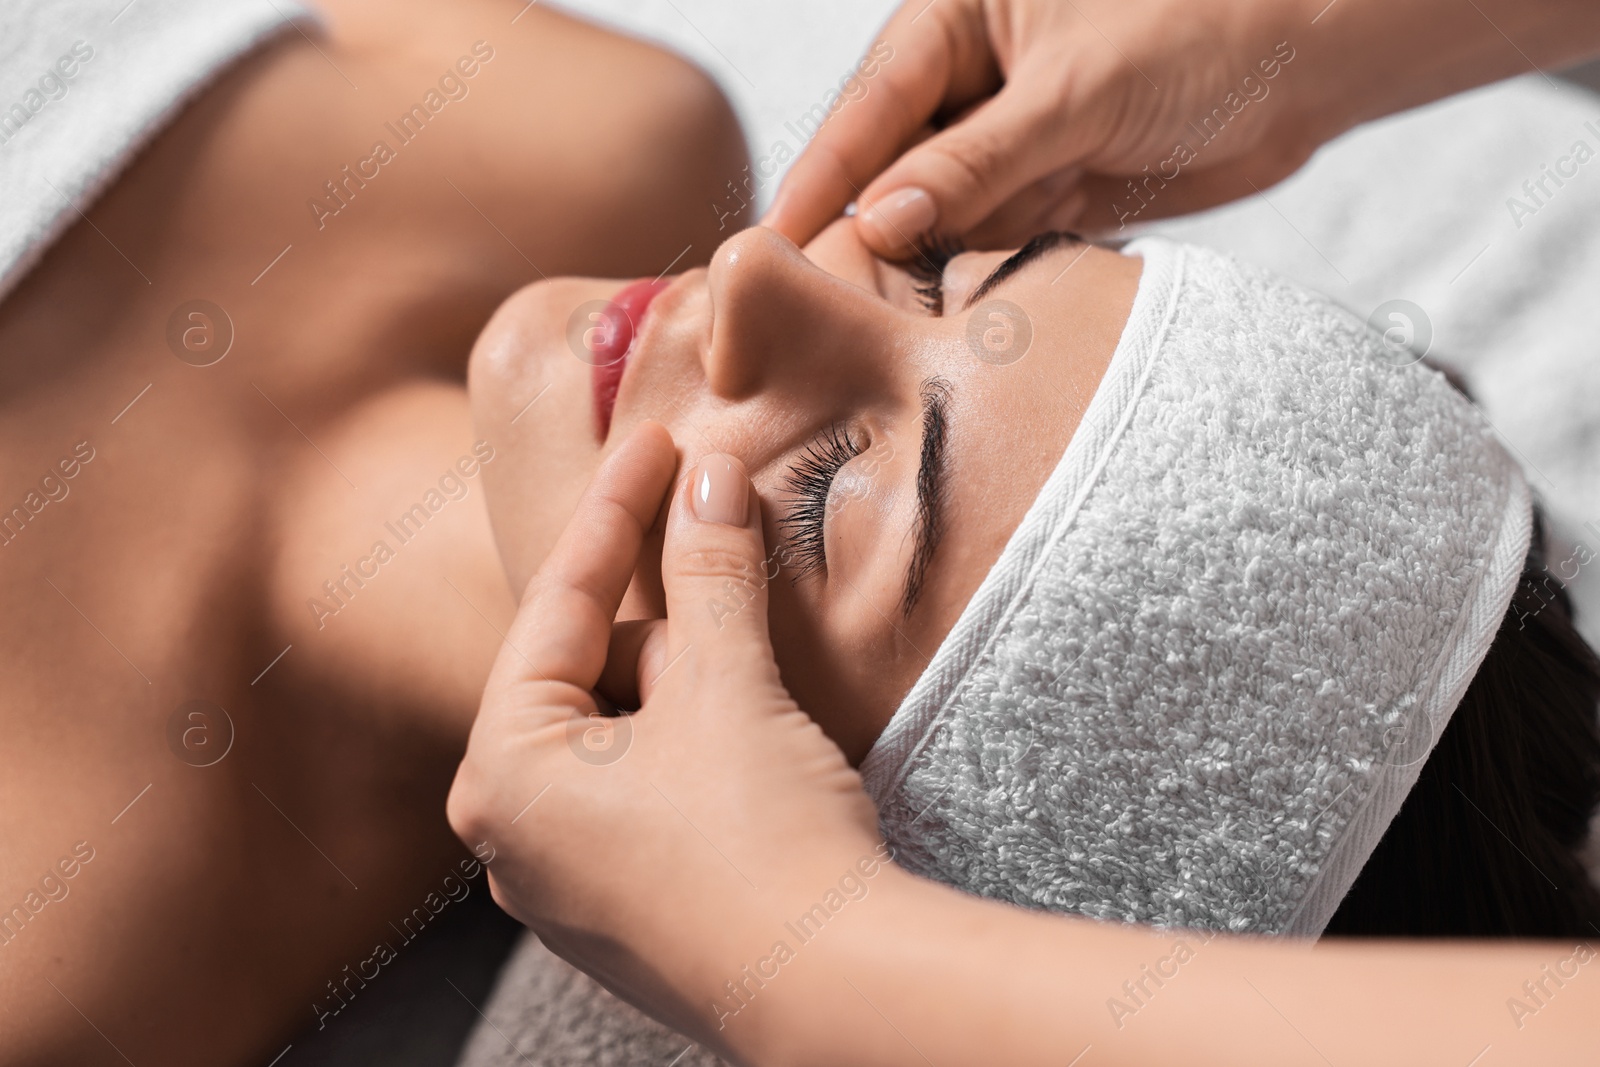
pixel 955 179
pixel 714 569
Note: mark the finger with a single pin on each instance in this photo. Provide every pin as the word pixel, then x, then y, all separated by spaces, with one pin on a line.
pixel 962 175
pixel 1029 212
pixel 638 652
pixel 713 567
pixel 563 627
pixel 927 59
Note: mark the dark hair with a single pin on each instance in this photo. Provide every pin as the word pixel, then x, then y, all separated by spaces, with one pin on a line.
pixel 1487 843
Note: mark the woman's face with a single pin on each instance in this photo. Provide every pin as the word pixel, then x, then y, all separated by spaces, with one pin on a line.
pixel 894 446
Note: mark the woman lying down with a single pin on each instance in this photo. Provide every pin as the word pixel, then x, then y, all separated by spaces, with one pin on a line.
pixel 1137 583
pixel 1178 601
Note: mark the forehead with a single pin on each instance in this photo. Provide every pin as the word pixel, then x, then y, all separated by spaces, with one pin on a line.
pixel 1031 355
pixel 1022 366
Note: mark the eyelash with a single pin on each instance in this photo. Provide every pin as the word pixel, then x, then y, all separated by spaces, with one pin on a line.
pixel 810 479
pixel 927 270
pixel 809 483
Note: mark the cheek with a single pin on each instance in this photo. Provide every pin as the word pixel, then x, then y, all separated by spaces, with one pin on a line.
pixel 811 660
pixel 845 689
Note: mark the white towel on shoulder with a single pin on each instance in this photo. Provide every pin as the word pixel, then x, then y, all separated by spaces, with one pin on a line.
pixel 85 83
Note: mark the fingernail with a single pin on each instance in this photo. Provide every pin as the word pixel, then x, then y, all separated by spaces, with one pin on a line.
pixel 720 492
pixel 902 216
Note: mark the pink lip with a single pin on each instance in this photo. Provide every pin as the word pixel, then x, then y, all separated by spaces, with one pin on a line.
pixel 611 341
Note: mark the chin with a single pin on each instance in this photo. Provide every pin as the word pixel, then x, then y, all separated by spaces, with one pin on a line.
pixel 546 449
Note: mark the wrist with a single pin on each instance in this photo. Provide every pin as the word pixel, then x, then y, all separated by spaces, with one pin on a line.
pixel 858 947
pixel 780 951
pixel 1319 92
pixel 813 1012
pixel 918 971
pixel 1360 60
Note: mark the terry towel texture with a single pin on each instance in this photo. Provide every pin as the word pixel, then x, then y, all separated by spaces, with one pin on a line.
pixel 546 1013
pixel 1208 666
pixel 85 83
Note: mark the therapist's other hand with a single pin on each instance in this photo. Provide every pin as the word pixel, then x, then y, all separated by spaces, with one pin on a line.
pixel 1049 110
pixel 636 845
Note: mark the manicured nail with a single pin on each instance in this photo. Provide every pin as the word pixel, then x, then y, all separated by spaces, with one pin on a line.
pixel 720 492
pixel 902 216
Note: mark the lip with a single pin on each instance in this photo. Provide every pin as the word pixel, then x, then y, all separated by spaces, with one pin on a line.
pixel 611 341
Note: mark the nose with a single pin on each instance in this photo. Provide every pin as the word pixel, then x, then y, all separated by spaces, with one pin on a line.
pixel 790 322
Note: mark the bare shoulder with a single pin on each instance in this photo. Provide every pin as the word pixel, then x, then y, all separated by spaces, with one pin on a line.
pixel 574 149
pixel 179 515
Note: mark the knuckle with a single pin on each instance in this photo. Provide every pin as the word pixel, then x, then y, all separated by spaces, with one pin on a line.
pixel 975 161
pixel 497 894
pixel 615 509
pixel 463 807
pixel 557 586
pixel 716 561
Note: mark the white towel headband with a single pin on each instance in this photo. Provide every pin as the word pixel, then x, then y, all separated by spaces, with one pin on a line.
pixel 1208 666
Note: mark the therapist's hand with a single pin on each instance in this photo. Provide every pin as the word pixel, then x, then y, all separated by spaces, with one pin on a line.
pixel 668 866
pixel 1052 106
pixel 995 119
pixel 653 849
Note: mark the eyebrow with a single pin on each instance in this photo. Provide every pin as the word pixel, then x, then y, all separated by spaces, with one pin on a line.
pixel 1037 246
pixel 928 527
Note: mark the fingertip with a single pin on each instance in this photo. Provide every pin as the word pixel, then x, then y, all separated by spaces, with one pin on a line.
pixel 714 566
pixel 652 435
pixel 796 221
pixel 895 251
pixel 894 222
pixel 647 455
pixel 777 215
pixel 719 490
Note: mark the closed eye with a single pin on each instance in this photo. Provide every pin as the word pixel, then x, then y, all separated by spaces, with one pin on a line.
pixel 927 271
pixel 808 485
